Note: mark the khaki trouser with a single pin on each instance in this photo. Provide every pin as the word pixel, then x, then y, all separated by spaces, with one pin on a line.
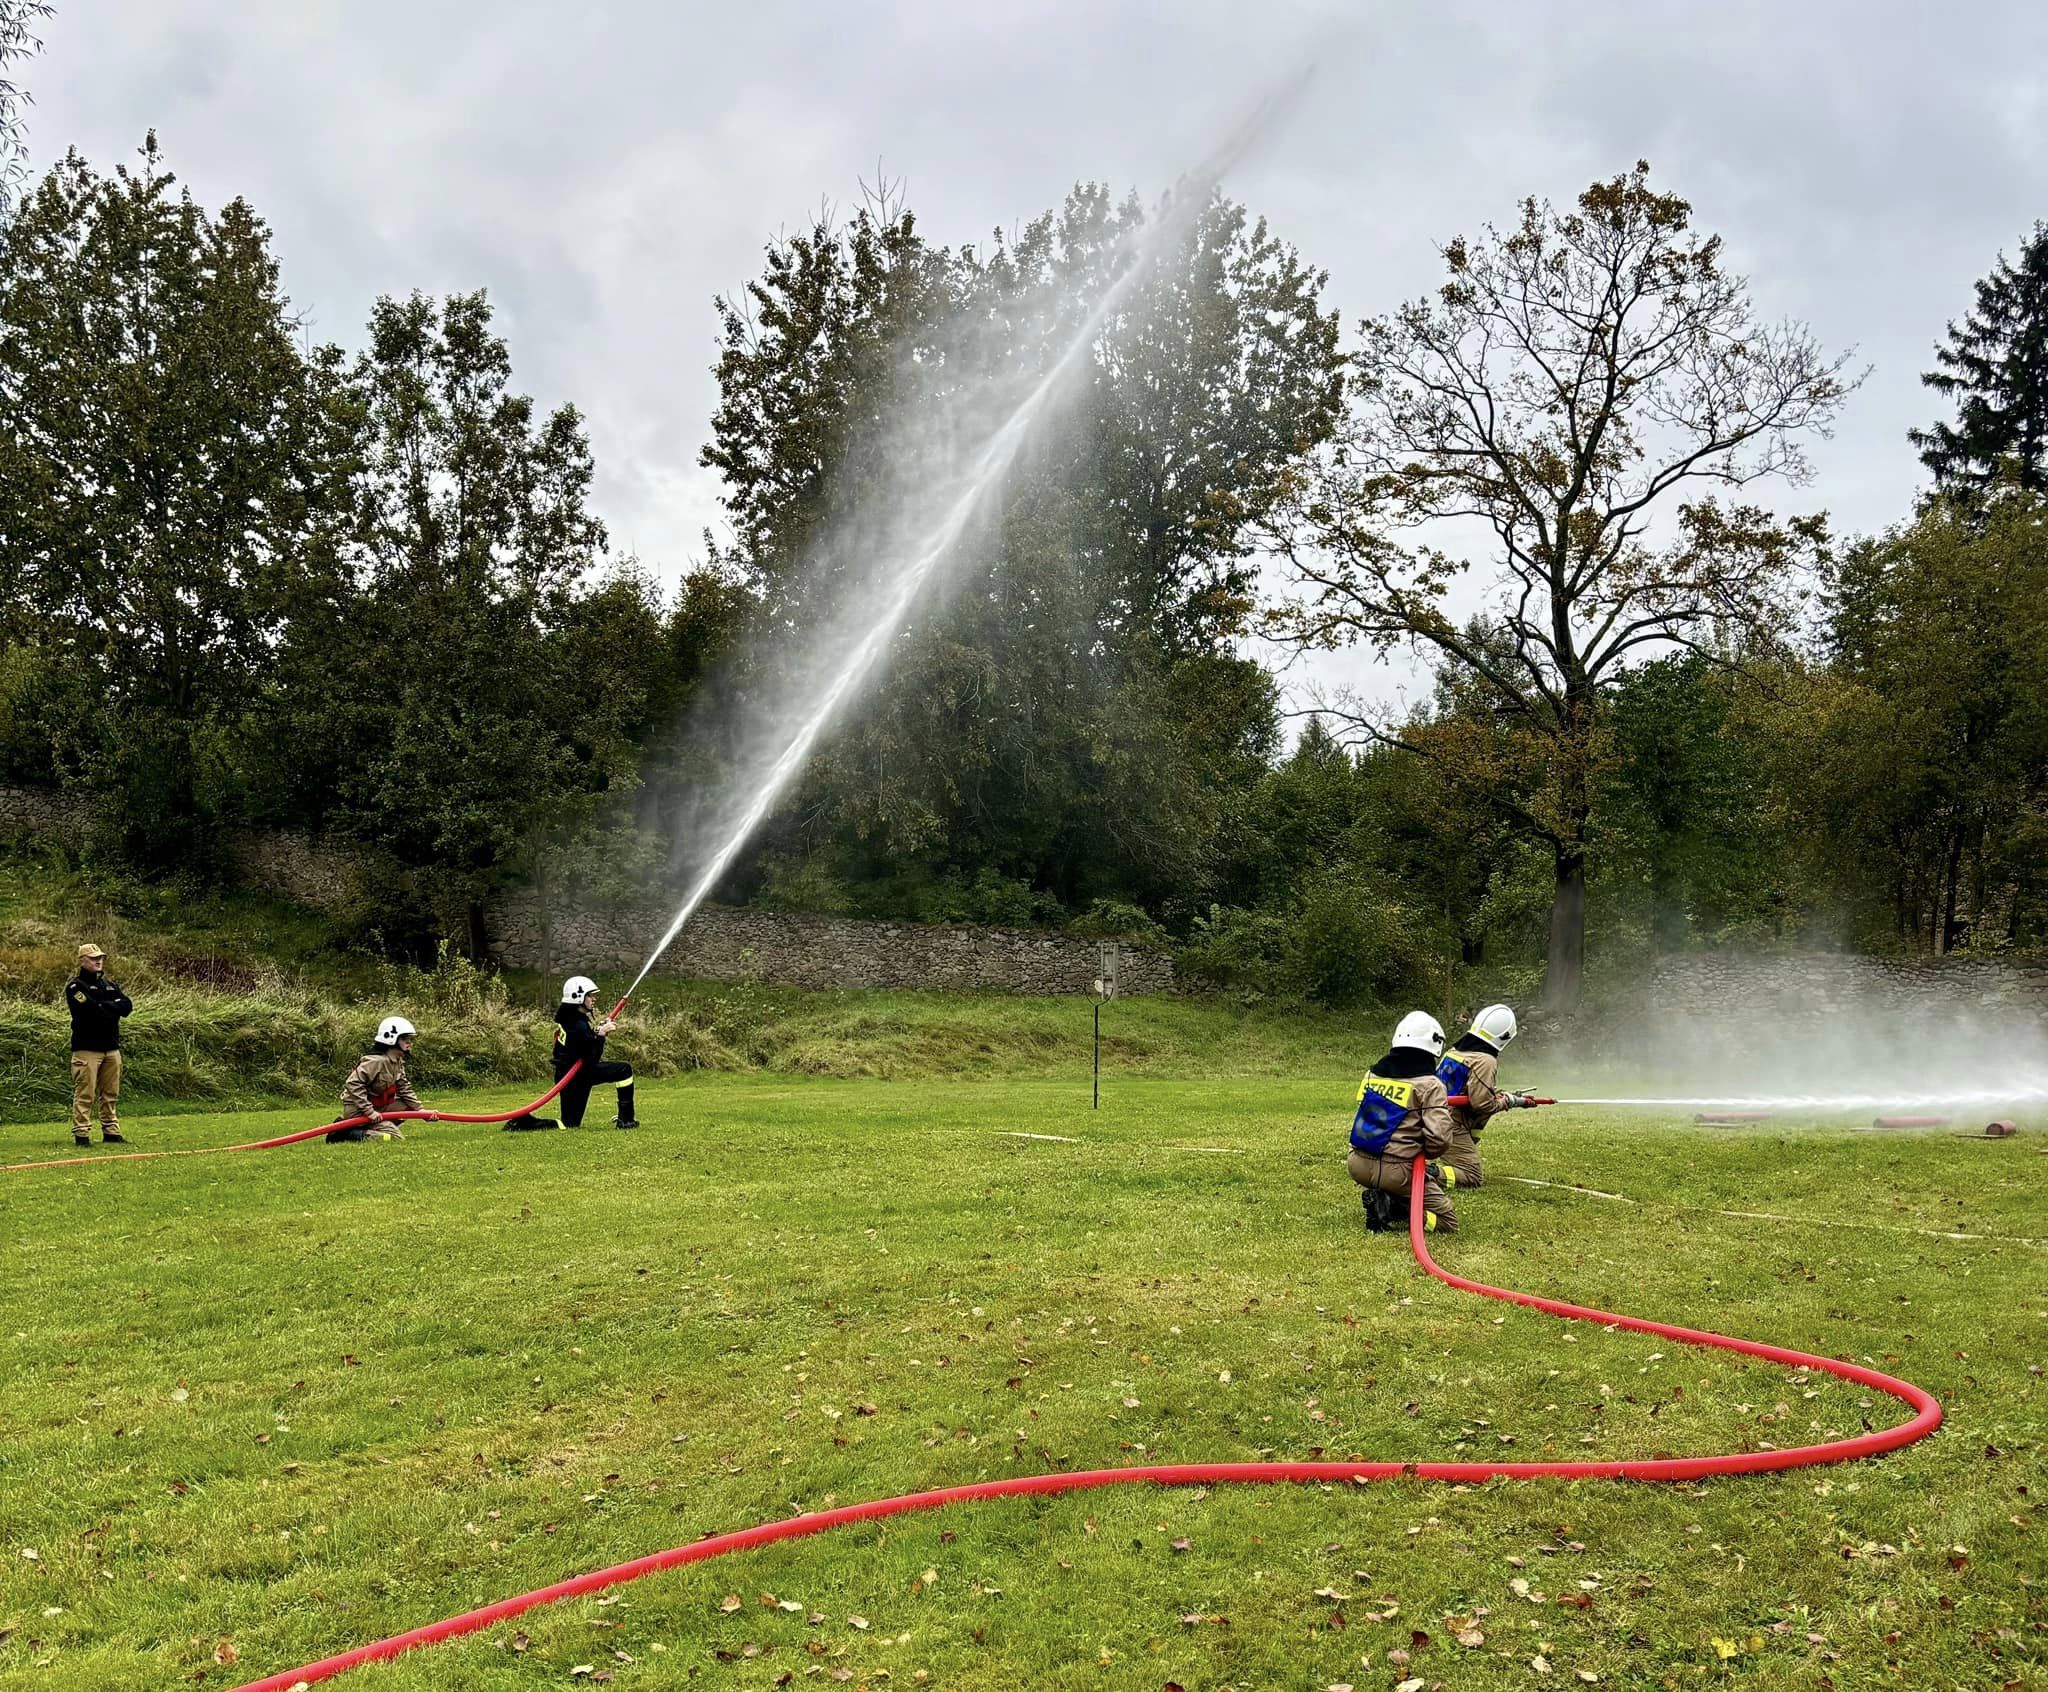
pixel 1391 1175
pixel 1464 1156
pixel 95 1079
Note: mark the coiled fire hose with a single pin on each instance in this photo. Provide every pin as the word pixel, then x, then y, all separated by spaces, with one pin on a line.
pixel 1926 1418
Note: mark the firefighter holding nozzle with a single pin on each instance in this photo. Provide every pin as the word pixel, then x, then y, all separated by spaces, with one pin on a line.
pixel 1402 1112
pixel 1472 1067
pixel 580 1033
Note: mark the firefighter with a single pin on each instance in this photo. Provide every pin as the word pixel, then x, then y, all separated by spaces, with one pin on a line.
pixel 1472 1067
pixel 378 1083
pixel 580 1031
pixel 1401 1112
pixel 96 1007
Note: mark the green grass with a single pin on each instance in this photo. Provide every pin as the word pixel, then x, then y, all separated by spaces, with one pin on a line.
pixel 298 1400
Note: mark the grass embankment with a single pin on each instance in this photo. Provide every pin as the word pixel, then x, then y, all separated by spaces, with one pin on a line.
pixel 239 1001
pixel 267 1406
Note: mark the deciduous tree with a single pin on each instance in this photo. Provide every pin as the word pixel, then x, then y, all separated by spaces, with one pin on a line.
pixel 1559 417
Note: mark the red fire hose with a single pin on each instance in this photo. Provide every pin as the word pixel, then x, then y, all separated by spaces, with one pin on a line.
pixel 1926 1418
pixel 313 1133
pixel 302 1134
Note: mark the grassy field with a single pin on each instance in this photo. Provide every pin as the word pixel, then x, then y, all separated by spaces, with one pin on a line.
pixel 255 1409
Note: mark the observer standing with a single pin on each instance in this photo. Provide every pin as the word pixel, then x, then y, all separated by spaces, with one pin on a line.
pixel 96 1007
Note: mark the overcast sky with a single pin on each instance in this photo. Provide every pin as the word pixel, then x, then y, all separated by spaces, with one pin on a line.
pixel 604 169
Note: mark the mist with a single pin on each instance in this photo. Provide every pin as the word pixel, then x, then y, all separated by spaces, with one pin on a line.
pixel 968 405
pixel 1815 1036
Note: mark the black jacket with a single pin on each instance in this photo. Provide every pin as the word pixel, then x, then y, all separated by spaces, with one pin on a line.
pixel 96 1007
pixel 576 1039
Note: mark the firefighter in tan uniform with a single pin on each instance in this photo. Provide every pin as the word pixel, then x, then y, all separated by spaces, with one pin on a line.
pixel 1472 1067
pixel 1401 1112
pixel 378 1083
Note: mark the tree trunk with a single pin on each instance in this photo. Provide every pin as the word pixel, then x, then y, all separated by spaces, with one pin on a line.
pixel 1564 971
pixel 479 934
pixel 1952 875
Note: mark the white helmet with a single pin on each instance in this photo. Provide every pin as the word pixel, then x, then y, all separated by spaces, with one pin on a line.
pixel 577 988
pixel 1495 1025
pixel 393 1029
pixel 1422 1032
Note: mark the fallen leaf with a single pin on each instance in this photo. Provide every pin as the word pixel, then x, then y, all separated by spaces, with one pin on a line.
pixel 1540 1664
pixel 520 1641
pixel 1183 1545
pixel 729 1603
pixel 225 1653
pixel 1469 1637
pixel 791 1605
pixel 860 1622
pixel 1588 1676
pixel 582 1669
pixel 1414 1685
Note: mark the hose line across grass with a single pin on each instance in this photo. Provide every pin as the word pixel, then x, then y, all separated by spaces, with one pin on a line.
pixel 303 1133
pixel 1926 1418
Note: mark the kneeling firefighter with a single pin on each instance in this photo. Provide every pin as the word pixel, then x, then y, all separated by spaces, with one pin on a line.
pixel 580 1033
pixel 1401 1112
pixel 1472 1067
pixel 378 1083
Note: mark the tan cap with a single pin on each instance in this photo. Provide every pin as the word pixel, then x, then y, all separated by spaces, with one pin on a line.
pixel 89 950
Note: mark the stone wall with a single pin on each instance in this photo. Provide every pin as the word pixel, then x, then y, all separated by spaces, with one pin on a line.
pixel 291 866
pixel 297 867
pixel 1800 988
pixel 41 813
pixel 790 949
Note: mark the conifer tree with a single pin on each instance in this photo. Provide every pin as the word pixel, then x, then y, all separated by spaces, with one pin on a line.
pixel 1995 367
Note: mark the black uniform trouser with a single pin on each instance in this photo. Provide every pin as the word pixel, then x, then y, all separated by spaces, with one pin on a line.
pixel 576 1095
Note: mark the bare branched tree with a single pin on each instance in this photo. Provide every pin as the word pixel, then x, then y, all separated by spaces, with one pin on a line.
pixel 16 42
pixel 1580 390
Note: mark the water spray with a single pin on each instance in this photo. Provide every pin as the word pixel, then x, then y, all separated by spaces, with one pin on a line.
pixel 904 580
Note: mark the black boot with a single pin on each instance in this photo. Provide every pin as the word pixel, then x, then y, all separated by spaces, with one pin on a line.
pixel 526 1124
pixel 626 1118
pixel 1379 1210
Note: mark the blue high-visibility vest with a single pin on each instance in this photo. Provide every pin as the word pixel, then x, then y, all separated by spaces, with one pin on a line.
pixel 1382 1105
pixel 1454 1072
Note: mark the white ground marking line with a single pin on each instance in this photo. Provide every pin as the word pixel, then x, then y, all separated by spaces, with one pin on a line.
pixel 1811 1221
pixel 1883 1227
pixel 1566 1187
pixel 1228 1151
pixel 1019 1134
